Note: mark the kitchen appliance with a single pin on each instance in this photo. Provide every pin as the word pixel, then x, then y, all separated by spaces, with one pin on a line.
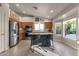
pixel 13 33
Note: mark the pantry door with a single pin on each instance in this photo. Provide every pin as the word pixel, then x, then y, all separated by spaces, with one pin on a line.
pixel 4 27
pixel 3 31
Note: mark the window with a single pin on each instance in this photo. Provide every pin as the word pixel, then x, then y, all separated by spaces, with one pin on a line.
pixel 39 26
pixel 58 27
pixel 70 28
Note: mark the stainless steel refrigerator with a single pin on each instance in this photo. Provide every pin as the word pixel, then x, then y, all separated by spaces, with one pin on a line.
pixel 13 33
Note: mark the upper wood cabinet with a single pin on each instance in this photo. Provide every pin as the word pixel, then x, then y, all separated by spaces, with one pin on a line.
pixel 13 15
pixel 23 24
pixel 48 24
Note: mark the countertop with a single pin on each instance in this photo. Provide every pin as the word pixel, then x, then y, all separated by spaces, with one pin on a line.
pixel 41 33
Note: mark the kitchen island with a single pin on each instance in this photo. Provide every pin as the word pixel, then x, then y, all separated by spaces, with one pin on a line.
pixel 41 38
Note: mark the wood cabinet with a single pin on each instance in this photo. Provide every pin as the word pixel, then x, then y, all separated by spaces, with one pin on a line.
pixel 21 35
pixel 48 25
pixel 23 24
pixel 21 29
pixel 13 15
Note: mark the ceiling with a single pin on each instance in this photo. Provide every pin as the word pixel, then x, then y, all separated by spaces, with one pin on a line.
pixel 38 9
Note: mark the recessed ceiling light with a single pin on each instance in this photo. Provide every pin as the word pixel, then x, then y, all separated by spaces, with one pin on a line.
pixel 17 5
pixel 24 12
pixel 51 11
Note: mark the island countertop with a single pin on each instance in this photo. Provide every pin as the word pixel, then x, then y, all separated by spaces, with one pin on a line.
pixel 41 33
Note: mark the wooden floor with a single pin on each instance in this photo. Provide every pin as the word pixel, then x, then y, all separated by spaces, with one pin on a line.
pixel 64 50
pixel 23 49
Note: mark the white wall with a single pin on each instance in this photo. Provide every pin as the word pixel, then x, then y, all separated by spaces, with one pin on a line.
pixel 4 27
pixel 78 29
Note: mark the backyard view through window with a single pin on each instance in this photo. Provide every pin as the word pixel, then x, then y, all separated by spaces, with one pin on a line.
pixel 58 27
pixel 70 28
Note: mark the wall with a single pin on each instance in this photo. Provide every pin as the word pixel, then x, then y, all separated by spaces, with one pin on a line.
pixel 78 29
pixel 57 38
